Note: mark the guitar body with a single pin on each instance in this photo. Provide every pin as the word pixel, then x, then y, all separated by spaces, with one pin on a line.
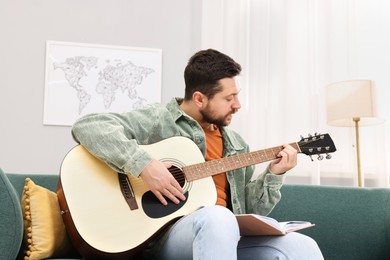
pixel 98 218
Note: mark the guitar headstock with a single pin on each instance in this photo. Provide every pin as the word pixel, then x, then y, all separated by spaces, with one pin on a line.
pixel 317 144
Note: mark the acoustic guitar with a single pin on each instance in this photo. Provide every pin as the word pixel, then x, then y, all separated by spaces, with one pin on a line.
pixel 110 215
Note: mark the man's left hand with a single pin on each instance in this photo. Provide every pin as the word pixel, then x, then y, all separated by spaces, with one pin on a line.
pixel 287 159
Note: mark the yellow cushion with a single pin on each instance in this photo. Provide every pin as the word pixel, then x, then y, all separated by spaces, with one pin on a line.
pixel 44 231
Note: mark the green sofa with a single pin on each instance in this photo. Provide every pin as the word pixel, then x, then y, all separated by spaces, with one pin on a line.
pixel 351 223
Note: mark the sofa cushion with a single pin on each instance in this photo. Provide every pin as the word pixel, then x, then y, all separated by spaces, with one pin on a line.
pixel 11 224
pixel 44 230
pixel 351 223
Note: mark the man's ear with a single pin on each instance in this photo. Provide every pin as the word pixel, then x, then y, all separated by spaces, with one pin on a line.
pixel 199 99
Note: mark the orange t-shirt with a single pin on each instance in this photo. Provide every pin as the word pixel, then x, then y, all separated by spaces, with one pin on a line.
pixel 215 151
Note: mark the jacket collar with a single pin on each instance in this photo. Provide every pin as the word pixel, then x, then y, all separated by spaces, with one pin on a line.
pixel 174 107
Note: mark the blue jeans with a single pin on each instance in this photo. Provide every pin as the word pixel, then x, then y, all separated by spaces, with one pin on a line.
pixel 213 233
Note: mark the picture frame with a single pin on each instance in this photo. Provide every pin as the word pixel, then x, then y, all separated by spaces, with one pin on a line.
pixel 83 78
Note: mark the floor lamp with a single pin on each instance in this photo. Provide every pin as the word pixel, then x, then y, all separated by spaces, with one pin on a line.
pixel 352 104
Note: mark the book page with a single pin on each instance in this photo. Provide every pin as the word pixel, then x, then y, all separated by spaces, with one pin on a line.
pixel 290 226
pixel 256 225
pixel 273 222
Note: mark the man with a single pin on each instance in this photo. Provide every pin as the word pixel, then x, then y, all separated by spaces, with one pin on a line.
pixel 211 99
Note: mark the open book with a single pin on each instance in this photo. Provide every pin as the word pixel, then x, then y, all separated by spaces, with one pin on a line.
pixel 257 225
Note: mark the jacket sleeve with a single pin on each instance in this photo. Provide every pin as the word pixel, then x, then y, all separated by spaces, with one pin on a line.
pixel 263 193
pixel 251 193
pixel 116 138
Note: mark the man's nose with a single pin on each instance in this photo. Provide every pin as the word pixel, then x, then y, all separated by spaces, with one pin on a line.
pixel 237 104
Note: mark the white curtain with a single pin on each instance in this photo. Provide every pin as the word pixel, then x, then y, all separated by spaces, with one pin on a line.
pixel 290 51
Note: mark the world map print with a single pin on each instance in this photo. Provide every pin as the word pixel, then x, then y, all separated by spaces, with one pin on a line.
pixel 85 78
pixel 122 76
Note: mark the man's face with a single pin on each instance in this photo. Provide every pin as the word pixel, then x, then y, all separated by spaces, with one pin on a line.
pixel 220 109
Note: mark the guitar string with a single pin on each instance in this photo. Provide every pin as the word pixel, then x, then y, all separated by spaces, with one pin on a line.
pixel 180 176
pixel 269 153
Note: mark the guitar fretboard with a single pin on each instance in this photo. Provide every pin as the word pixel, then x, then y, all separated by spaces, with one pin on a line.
pixel 209 168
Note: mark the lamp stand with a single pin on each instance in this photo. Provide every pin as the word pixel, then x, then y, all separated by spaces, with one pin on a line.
pixel 356 120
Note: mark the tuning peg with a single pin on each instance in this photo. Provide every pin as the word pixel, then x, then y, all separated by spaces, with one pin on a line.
pixel 328 156
pixel 309 135
pixel 320 157
pixel 311 157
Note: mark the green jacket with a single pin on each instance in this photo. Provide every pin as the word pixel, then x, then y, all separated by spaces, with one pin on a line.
pixel 114 138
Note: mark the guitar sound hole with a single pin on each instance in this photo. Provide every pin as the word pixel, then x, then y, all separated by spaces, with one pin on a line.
pixel 178 174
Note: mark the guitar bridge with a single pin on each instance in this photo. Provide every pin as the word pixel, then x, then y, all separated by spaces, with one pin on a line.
pixel 127 191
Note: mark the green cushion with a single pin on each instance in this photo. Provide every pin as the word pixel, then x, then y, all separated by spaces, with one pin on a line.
pixel 11 220
pixel 351 223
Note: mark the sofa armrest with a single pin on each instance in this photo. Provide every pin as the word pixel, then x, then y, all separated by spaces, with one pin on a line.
pixel 11 220
pixel 351 223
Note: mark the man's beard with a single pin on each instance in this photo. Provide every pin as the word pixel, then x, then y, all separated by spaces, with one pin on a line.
pixel 221 121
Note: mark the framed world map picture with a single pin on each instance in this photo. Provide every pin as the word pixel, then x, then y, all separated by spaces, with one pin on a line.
pixel 86 78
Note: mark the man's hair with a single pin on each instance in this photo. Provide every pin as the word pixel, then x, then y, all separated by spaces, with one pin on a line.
pixel 203 71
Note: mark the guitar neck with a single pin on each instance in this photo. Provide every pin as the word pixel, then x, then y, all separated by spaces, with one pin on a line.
pixel 210 168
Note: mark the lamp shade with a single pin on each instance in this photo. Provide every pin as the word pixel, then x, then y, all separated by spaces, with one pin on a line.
pixel 346 100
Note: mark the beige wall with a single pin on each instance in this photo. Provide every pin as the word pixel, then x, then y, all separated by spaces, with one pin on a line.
pixel 28 146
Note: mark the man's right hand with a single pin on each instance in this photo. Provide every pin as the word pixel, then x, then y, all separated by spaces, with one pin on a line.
pixel 161 182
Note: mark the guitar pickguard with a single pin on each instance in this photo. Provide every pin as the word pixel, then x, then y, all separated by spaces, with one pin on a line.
pixel 154 209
